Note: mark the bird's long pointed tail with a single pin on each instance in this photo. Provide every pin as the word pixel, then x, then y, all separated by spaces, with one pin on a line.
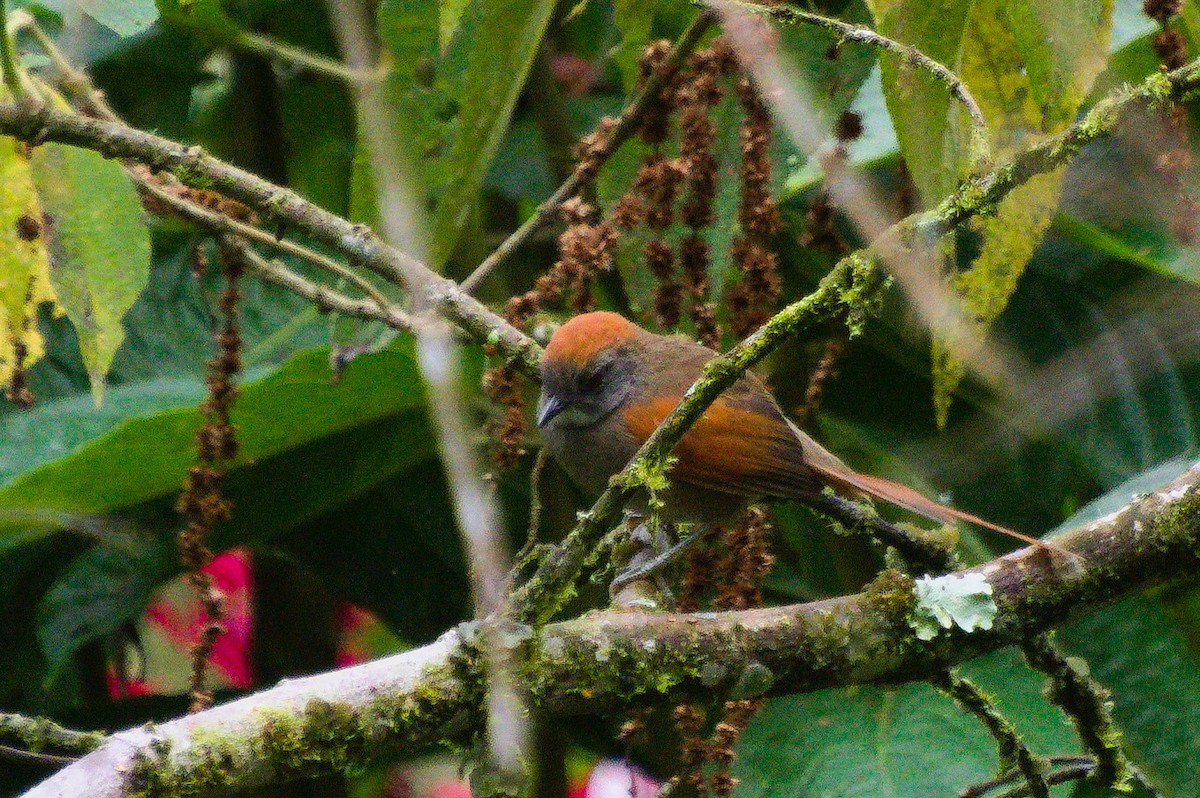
pixel 913 501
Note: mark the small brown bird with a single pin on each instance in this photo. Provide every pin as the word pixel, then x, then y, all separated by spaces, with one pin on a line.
pixel 607 384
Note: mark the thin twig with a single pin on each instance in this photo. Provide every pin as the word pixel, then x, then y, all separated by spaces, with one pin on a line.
pixel 860 34
pixel 1084 702
pixel 624 127
pixel 1012 747
pixel 20 754
pixel 219 222
pixel 78 82
pixel 323 297
pixel 272 48
pixel 1012 774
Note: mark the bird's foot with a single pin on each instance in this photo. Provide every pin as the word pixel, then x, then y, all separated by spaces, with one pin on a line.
pixel 643 565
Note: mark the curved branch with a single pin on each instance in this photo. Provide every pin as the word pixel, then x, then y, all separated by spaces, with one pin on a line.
pixel 850 284
pixel 33 123
pixel 603 661
pixel 910 55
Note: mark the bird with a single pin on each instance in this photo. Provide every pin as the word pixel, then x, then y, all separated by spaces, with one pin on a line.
pixel 607 384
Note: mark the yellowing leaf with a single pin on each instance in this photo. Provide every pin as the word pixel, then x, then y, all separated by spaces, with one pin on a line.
pixel 1029 66
pixel 24 269
pixel 99 247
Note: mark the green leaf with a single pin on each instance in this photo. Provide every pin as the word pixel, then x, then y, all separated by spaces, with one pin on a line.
pixel 205 18
pixel 503 37
pixel 99 247
pixel 947 601
pixel 1029 67
pixel 122 17
pixel 99 591
pixel 635 21
pixel 146 458
pixel 875 742
pixel 1135 651
pixel 24 266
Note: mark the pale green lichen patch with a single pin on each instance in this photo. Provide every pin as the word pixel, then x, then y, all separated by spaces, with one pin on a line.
pixel 953 600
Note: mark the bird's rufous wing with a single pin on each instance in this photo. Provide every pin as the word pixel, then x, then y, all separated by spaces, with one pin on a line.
pixel 741 445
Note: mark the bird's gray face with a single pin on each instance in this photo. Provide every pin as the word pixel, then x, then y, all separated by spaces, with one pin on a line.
pixel 580 395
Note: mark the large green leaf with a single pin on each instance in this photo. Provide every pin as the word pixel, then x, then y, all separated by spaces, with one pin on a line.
pixel 146 458
pixel 24 266
pixel 99 247
pixel 503 37
pixel 875 742
pixel 98 592
pixel 451 108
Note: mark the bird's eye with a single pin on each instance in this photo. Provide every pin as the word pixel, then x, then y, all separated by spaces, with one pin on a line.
pixel 592 381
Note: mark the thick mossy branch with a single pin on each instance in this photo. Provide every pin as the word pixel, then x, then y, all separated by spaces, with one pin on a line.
pixel 606 661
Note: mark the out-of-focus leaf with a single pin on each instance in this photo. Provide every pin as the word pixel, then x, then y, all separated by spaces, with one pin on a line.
pixel 102 589
pixel 504 37
pixel 146 458
pixel 1111 245
pixel 204 17
pixel 1134 651
pixel 24 266
pixel 123 17
pixel 1029 67
pixel 873 742
pixel 409 33
pixel 99 247
pixel 450 14
pixel 876 145
pixel 635 20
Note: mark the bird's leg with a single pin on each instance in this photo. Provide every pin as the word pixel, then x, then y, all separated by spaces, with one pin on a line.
pixel 640 567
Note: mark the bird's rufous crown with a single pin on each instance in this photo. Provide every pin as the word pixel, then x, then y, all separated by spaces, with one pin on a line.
pixel 579 340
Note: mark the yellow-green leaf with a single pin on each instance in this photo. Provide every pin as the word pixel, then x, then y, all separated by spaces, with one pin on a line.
pixel 1029 67
pixel 24 268
pixel 99 247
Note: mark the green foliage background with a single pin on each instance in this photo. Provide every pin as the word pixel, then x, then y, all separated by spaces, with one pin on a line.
pixel 342 483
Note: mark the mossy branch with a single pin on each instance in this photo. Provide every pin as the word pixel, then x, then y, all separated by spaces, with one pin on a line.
pixel 39 735
pixel 1084 701
pixel 979 196
pixel 980 147
pixel 340 720
pixel 1013 751
pixel 357 243
pixel 852 284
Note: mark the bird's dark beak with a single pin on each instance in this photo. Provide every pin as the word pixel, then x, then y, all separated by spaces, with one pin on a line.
pixel 549 407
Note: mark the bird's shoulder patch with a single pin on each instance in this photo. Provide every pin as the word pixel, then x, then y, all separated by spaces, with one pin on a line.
pixel 736 446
